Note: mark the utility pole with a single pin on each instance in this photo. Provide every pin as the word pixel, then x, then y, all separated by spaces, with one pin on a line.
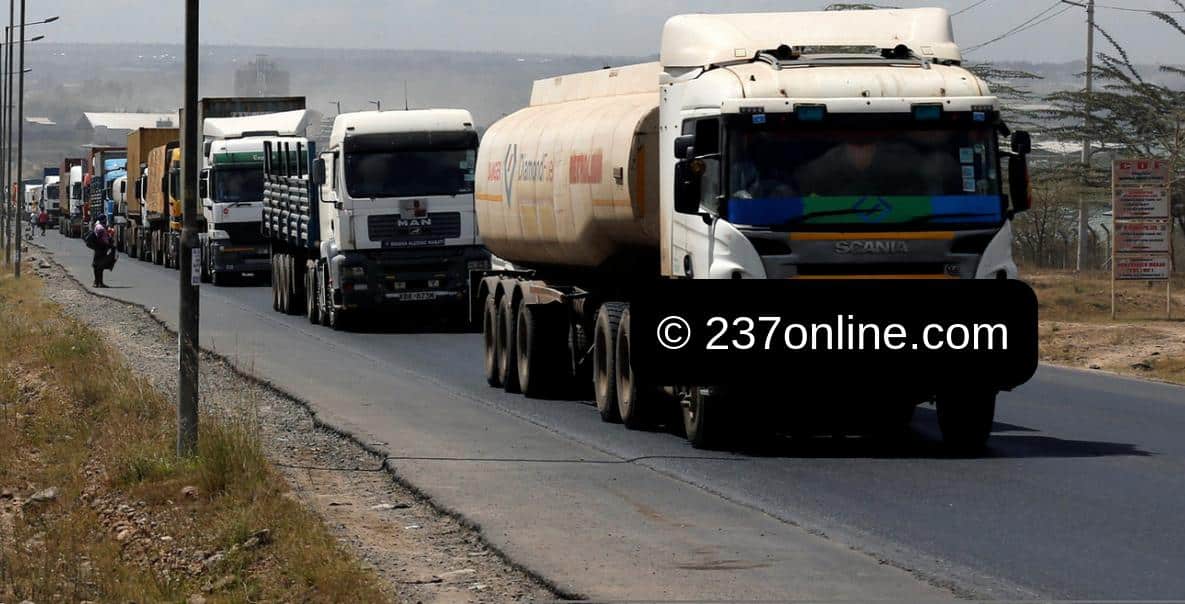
pixel 1083 218
pixel 20 150
pixel 8 201
pixel 4 232
pixel 187 323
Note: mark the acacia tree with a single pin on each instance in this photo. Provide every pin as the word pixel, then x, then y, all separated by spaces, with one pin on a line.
pixel 1129 113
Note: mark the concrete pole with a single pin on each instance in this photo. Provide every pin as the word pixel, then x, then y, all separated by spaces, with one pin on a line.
pixel 20 149
pixel 188 321
pixel 4 209
pixel 1083 218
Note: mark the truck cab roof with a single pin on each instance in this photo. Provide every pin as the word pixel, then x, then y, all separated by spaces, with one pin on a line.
pixel 703 40
pixel 287 123
pixel 384 122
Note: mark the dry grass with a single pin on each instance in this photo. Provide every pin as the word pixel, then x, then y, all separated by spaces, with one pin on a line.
pixel 73 417
pixel 1077 329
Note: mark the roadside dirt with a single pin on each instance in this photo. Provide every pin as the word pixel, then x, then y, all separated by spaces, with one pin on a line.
pixel 424 555
pixel 1076 328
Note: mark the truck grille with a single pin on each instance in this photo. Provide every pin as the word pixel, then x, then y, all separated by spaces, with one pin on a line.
pixel 435 226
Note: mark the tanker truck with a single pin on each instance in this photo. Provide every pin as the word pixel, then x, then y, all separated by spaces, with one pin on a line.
pixel 380 221
pixel 809 145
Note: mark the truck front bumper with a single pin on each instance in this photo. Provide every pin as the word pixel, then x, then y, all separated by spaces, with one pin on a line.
pixel 398 278
pixel 237 258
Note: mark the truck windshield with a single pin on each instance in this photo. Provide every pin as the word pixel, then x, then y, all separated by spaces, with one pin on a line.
pixel 239 184
pixel 409 173
pixel 76 191
pixel 51 192
pixel 864 173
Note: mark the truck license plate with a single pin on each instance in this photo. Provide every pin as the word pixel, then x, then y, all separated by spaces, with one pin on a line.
pixel 416 296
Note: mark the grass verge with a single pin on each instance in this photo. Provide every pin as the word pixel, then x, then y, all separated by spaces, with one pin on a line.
pixel 1077 330
pixel 95 505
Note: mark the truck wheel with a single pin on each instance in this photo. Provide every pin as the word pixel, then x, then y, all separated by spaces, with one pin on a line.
pixel 706 419
pixel 489 339
pixel 966 421
pixel 296 295
pixel 605 359
pixel 285 289
pixel 274 278
pixel 208 275
pixel 507 351
pixel 326 295
pixel 158 256
pixel 540 343
pixel 310 296
pixel 635 401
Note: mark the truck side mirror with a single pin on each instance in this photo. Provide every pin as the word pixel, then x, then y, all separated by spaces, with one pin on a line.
pixel 204 185
pixel 319 171
pixel 688 193
pixel 685 146
pixel 123 187
pixel 1019 187
pixel 1022 143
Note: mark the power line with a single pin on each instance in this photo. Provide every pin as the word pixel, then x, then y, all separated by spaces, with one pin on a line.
pixel 965 9
pixel 1138 10
pixel 1030 23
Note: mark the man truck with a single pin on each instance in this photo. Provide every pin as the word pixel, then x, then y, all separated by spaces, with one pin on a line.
pixel 231 190
pixel 382 219
pixel 140 143
pixel 70 198
pixel 810 145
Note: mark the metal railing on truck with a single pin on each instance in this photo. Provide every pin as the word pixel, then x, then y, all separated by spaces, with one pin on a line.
pixel 290 197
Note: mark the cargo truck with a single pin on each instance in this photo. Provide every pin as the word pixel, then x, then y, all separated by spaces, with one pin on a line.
pixel 160 207
pixel 811 145
pixel 140 143
pixel 100 162
pixel 51 200
pixel 381 220
pixel 231 190
pixel 71 196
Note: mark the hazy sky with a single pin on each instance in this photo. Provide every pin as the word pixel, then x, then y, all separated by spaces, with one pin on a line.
pixel 602 27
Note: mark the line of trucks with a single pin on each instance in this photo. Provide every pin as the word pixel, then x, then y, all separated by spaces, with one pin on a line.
pixel 806 145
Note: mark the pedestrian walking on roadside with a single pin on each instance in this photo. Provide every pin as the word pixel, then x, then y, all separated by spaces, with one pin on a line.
pixel 43 221
pixel 104 258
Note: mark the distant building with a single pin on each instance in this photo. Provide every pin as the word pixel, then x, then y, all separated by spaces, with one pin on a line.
pixel 112 129
pixel 262 77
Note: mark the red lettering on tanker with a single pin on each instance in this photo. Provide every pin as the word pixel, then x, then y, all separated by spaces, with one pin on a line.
pixel 495 171
pixel 585 169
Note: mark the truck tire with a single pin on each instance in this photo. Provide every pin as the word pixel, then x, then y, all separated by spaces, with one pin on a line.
pixel 636 401
pixel 296 296
pixel 310 296
pixel 707 420
pixel 966 421
pixel 274 279
pixel 285 289
pixel 540 341
pixel 605 359
pixel 489 339
pixel 326 295
pixel 507 352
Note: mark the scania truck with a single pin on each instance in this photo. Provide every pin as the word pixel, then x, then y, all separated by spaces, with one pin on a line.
pixel 809 145
pixel 381 220
pixel 232 242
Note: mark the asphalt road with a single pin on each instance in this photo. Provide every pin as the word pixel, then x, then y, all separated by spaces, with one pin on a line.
pixel 1081 496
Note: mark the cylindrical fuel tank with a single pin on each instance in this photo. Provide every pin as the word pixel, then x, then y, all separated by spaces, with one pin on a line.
pixel 572 183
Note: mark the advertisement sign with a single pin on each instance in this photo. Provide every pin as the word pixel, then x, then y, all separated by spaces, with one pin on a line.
pixel 1142 236
pixel 1142 267
pixel 1146 202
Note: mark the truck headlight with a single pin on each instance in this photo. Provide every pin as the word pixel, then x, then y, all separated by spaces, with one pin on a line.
pixel 433 283
pixel 217 235
pixel 479 265
pixel 354 272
